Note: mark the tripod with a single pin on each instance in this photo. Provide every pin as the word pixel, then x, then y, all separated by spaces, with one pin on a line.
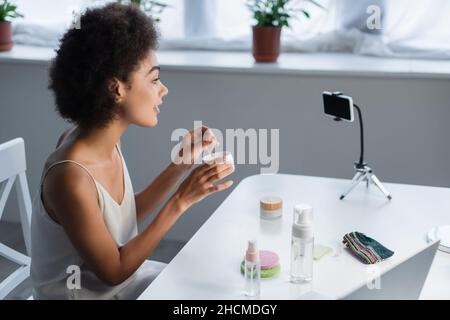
pixel 363 171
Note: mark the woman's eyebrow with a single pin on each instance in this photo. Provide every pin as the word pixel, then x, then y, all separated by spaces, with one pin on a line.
pixel 153 69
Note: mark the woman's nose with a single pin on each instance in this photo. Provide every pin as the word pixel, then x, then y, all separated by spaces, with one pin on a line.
pixel 165 90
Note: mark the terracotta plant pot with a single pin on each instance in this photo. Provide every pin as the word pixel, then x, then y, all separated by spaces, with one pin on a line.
pixel 266 43
pixel 5 36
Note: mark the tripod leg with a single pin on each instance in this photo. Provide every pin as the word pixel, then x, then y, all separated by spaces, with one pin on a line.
pixel 380 186
pixel 359 176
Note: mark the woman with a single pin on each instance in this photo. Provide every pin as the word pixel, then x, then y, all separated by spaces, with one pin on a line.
pixel 85 243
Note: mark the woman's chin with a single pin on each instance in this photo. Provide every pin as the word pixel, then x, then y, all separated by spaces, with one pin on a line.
pixel 152 124
pixel 149 123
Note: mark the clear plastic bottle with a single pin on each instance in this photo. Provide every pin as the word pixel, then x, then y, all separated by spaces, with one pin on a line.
pixel 302 245
pixel 252 270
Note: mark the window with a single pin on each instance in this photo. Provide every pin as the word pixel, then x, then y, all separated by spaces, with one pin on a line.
pixel 420 25
pixel 53 17
pixel 417 28
pixel 235 20
pixel 47 12
pixel 172 20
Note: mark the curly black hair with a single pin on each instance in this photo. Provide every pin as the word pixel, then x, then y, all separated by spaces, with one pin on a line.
pixel 110 43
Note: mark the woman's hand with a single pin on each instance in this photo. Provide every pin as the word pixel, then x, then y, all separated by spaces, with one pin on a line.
pixel 192 146
pixel 200 183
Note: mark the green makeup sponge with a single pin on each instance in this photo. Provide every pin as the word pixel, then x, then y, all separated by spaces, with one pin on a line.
pixel 267 273
pixel 269 264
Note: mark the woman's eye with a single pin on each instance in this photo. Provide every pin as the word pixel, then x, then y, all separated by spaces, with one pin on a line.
pixel 155 80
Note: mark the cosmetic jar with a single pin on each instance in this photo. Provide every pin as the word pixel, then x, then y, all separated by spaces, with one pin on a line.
pixel 218 158
pixel 270 207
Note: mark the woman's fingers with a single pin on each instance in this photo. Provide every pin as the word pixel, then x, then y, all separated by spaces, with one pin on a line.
pixel 203 168
pixel 208 145
pixel 220 187
pixel 210 164
pixel 202 133
pixel 220 174
pixel 207 133
pixel 196 151
pixel 190 153
pixel 201 139
pixel 200 182
pixel 213 160
pixel 209 141
pixel 214 168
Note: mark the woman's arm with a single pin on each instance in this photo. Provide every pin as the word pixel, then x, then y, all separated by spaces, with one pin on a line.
pixel 70 194
pixel 151 197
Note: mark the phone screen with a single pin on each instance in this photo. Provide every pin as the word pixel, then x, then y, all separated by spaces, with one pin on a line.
pixel 338 106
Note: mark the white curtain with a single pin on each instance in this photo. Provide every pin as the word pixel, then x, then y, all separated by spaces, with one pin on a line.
pixel 418 29
pixel 200 19
pixel 46 20
pixel 415 29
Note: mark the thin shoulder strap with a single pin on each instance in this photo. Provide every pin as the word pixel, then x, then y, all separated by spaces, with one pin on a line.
pixel 120 151
pixel 80 165
pixel 65 161
pixel 122 161
pixel 77 163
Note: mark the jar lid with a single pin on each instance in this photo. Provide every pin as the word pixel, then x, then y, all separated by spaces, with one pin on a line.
pixel 271 203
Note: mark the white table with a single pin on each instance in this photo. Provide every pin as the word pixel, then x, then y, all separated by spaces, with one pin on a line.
pixel 208 266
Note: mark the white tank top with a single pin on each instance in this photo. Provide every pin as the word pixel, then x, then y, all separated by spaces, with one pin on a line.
pixel 52 253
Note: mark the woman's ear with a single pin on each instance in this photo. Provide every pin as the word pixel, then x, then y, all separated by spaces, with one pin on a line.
pixel 118 89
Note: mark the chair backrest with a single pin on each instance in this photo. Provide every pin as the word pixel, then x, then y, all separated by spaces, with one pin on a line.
pixel 12 158
pixel 12 169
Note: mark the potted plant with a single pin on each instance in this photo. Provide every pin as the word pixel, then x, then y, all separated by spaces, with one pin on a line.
pixel 8 11
pixel 271 16
pixel 151 7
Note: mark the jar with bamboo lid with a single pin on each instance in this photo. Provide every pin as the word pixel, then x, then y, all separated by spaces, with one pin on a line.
pixel 271 207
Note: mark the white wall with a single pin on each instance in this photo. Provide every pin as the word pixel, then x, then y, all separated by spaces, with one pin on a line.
pixel 406 122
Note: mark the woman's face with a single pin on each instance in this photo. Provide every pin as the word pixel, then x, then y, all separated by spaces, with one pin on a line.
pixel 142 101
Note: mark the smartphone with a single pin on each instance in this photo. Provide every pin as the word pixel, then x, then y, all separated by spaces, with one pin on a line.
pixel 338 106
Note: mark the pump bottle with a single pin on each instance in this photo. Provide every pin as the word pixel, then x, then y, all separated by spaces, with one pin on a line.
pixel 302 244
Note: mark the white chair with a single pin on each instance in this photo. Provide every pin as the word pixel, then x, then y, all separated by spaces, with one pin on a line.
pixel 12 169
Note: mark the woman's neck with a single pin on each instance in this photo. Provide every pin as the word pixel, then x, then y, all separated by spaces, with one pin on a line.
pixel 103 140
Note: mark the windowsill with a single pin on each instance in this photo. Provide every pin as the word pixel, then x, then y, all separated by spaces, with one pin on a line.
pixel 340 64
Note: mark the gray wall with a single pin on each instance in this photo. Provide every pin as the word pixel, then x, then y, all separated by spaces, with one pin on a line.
pixel 406 123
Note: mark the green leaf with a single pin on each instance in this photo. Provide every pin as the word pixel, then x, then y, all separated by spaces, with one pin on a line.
pixel 276 12
pixel 8 10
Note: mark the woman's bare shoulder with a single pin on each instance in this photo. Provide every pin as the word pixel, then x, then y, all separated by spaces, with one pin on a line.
pixel 67 184
pixel 66 149
pixel 63 150
pixel 65 179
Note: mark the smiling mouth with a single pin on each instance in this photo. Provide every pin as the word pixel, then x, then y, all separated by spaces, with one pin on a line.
pixel 156 108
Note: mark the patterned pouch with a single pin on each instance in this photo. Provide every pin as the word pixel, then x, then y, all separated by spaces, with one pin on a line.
pixel 368 250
